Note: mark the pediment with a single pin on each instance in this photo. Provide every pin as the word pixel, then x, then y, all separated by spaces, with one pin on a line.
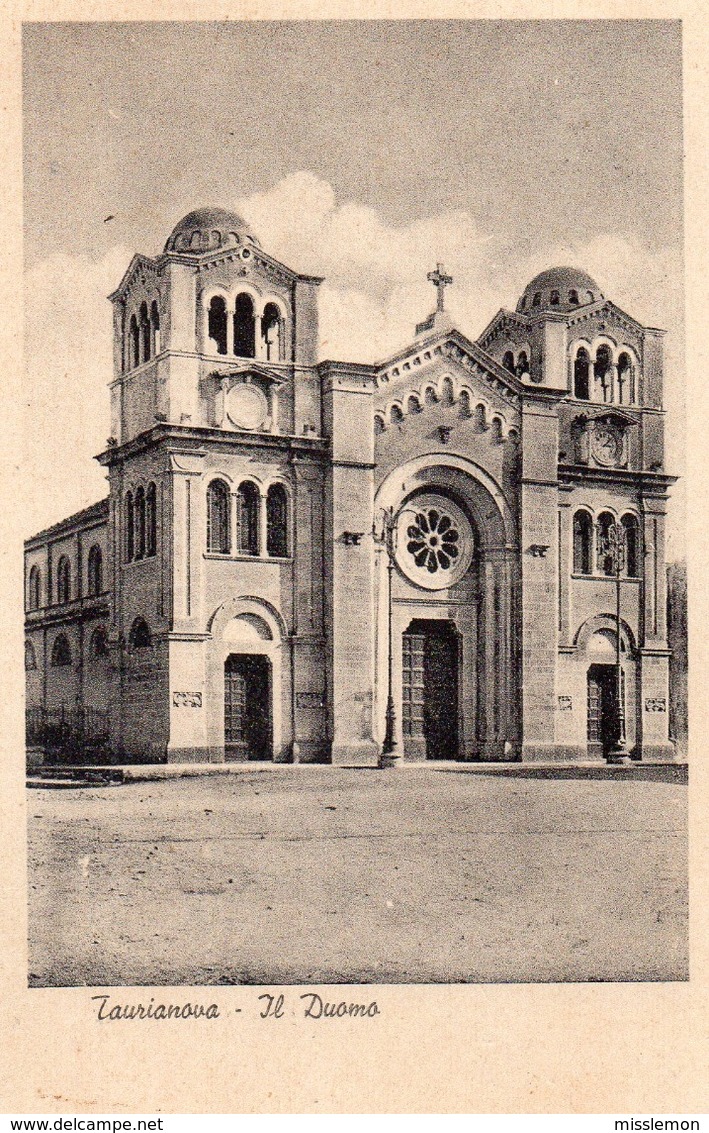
pixel 140 268
pixel 246 372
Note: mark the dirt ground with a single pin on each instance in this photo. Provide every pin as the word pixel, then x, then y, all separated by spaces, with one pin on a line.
pixel 327 875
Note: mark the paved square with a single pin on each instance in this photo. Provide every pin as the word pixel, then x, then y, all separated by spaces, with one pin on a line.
pixel 326 875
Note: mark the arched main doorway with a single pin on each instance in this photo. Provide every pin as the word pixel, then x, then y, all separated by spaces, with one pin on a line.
pixel 247 707
pixel 430 689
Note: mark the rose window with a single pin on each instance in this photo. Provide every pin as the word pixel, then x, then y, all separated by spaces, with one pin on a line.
pixel 433 540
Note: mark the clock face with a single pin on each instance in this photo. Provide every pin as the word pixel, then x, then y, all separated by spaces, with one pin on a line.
pixel 607 445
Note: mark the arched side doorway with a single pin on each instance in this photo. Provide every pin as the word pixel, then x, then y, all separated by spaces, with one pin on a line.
pixel 248 711
pixel 597 674
pixel 249 685
pixel 430 698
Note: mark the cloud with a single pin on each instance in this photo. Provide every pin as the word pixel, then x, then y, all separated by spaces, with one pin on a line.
pixel 375 291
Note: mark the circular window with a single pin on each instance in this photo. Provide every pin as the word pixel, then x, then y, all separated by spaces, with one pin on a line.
pixel 246 407
pixel 434 542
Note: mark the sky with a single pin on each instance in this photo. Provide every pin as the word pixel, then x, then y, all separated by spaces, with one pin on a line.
pixel 364 151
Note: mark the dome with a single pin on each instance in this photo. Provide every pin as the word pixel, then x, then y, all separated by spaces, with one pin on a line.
pixel 207 230
pixel 559 289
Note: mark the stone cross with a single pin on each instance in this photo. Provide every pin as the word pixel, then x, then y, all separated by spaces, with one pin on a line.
pixel 440 281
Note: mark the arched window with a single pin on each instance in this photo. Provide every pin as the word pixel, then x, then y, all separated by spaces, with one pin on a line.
pixel 218 527
pixel 216 324
pixel 150 520
pixel 626 383
pixel 35 589
pixel 591 297
pixel 447 394
pixel 582 370
pixel 536 301
pixel 574 297
pixel 522 366
pixel 508 361
pixel 61 652
pixel 430 397
pixel 154 328
pixel 583 543
pixel 95 571
pixel 133 343
pixel 63 580
pixel 277 521
pixel 395 415
pixel 603 373
pixel 554 299
pixel 464 403
pixel 271 332
pixel 413 405
pixel 30 656
pixel 630 535
pixel 244 327
pixel 247 502
pixel 139 637
pixel 139 523
pixel 129 528
pixel 144 333
pixel 606 536
pixel 378 424
pixel 99 642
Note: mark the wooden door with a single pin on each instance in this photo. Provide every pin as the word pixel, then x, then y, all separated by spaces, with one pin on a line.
pixel 247 707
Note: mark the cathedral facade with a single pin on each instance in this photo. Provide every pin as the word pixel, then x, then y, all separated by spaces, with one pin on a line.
pixel 456 553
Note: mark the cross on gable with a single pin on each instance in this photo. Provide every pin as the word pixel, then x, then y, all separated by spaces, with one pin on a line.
pixel 440 281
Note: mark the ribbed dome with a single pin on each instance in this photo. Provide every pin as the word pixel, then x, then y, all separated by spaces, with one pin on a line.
pixel 559 289
pixel 206 230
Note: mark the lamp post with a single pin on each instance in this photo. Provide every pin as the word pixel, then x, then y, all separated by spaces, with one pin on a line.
pixel 618 753
pixel 386 537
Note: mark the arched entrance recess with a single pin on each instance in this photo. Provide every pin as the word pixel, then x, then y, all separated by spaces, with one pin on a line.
pixel 455 579
pixel 248 681
pixel 596 644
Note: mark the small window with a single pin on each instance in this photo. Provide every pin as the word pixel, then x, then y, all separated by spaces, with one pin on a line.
pixel 508 361
pixel 464 403
pixel 61 652
pixel 244 327
pixel 591 297
pixel 413 405
pixel 582 369
pixel 63 580
pixel 574 297
pixel 139 636
pixel 95 571
pixel 30 657
pixel 133 343
pixel 630 534
pixel 145 334
pixel 139 523
pixel 218 528
pixel 583 542
pixel 35 588
pixel 248 518
pixel 150 520
pixel 554 299
pixel 216 325
pixel 271 325
pixel 626 383
pixel 606 545
pixel 536 301
pixel 99 642
pixel 154 328
pixel 378 424
pixel 430 396
pixel 395 415
pixel 129 528
pixel 277 521
pixel 603 374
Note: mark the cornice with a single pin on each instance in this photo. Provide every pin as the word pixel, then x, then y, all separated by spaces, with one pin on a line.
pixel 646 481
pixel 190 439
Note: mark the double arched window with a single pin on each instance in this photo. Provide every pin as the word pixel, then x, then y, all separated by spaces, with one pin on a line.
pixel 95 571
pixel 143 335
pixel 249 518
pixel 61 651
pixel 218 518
pixel 594 544
pixel 140 523
pixel 63 580
pixel 34 596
